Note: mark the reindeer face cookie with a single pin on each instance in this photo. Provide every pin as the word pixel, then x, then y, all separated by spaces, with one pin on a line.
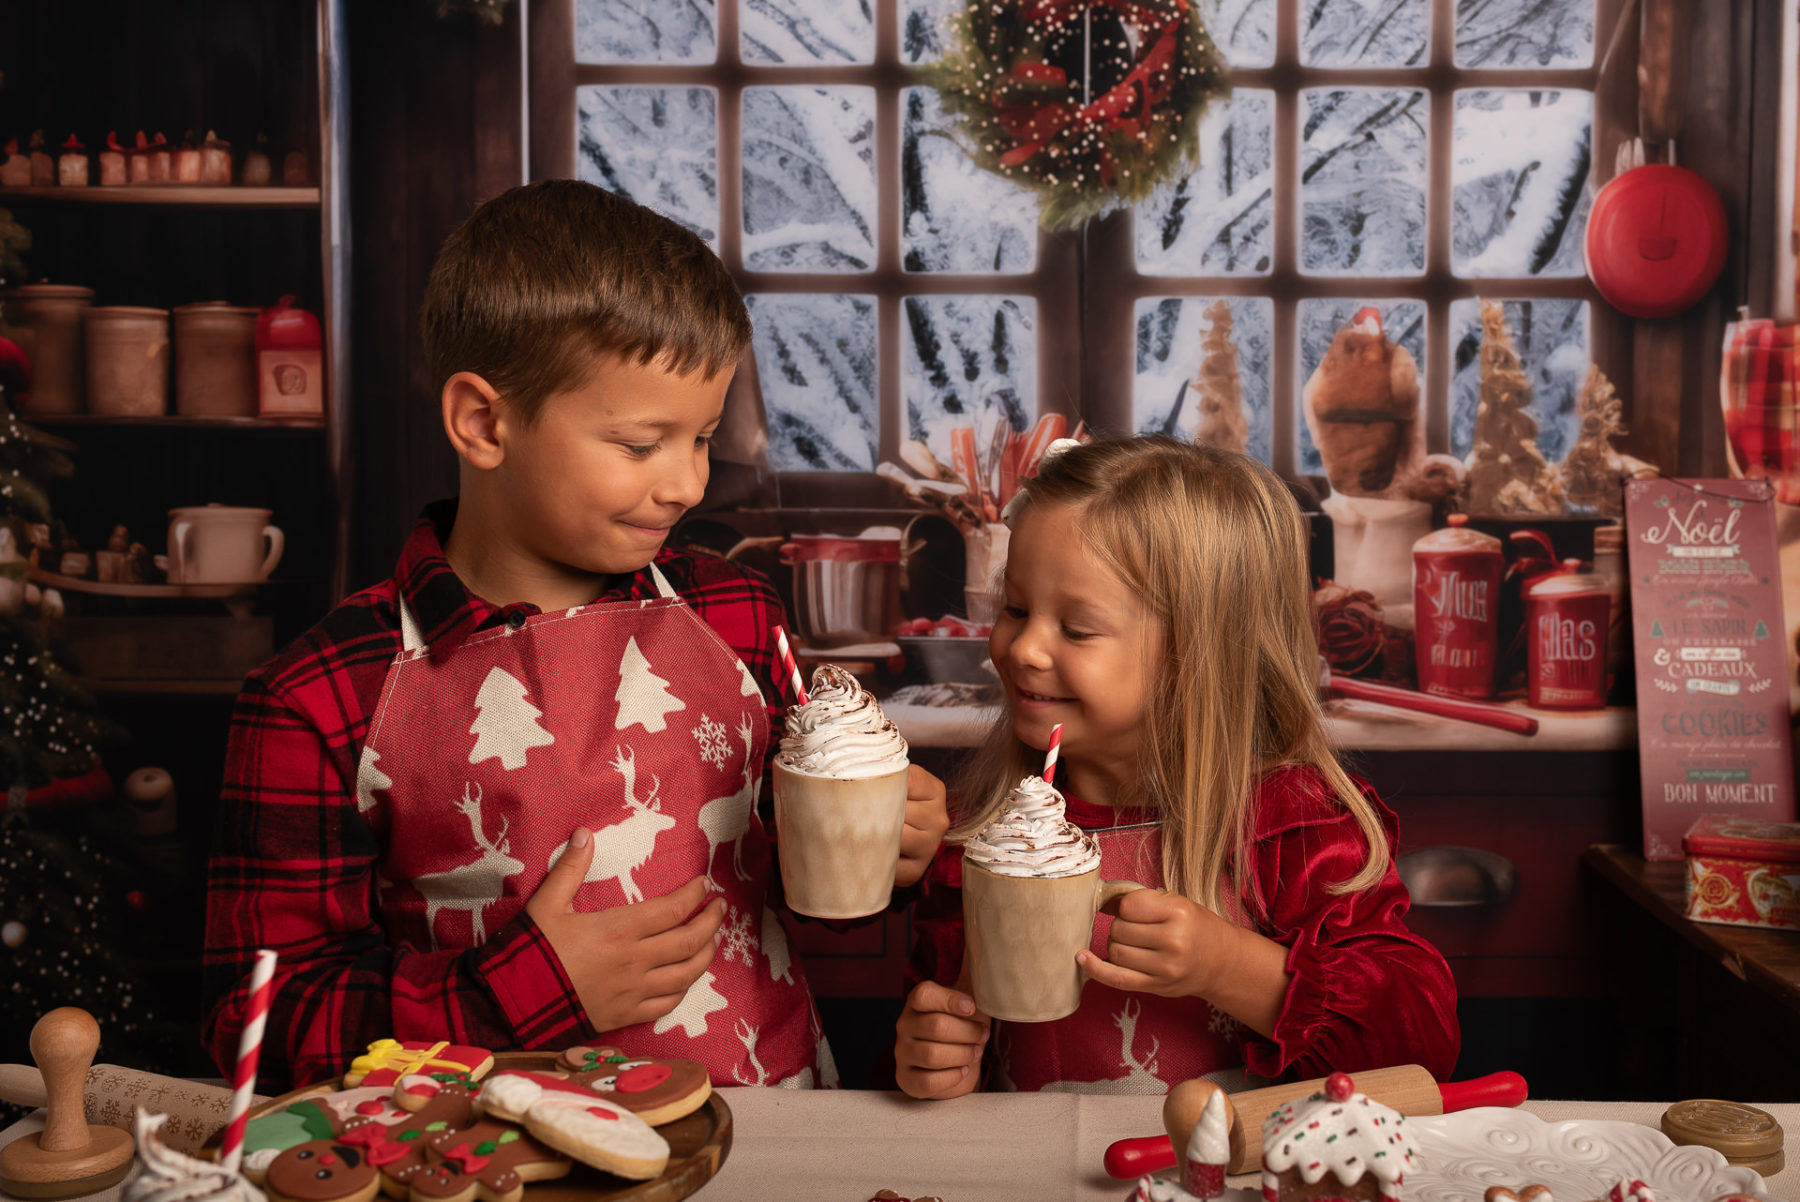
pixel 578 1122
pixel 657 1091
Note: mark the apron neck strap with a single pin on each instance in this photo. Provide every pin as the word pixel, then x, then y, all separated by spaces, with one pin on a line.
pixel 411 639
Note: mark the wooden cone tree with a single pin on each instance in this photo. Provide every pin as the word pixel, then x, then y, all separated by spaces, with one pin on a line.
pixel 1217 387
pixel 1507 473
pixel 1593 474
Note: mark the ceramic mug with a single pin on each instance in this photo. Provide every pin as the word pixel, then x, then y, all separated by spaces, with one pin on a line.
pixel 222 544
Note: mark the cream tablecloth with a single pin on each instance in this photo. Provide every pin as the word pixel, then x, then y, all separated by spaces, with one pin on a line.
pixel 800 1146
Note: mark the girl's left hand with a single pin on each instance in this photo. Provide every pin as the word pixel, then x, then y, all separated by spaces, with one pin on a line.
pixel 1161 943
pixel 927 818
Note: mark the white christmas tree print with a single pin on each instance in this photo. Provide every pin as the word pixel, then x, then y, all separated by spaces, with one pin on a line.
pixel 735 940
pixel 775 947
pixel 715 748
pixel 368 779
pixel 644 698
pixel 506 725
pixel 747 686
pixel 690 1013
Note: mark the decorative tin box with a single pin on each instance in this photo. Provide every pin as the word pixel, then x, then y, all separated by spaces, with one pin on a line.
pixel 1743 872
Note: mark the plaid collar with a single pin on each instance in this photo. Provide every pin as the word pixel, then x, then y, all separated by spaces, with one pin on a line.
pixel 446 611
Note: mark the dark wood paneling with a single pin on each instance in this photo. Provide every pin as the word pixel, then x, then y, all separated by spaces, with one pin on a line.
pixel 435 130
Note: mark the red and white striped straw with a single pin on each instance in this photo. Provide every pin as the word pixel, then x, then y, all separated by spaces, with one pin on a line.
pixel 787 660
pixel 243 1080
pixel 1050 754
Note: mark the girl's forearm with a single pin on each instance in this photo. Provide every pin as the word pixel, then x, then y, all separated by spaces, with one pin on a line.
pixel 1250 979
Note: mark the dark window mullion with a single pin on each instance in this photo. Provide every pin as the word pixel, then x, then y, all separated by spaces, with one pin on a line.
pixel 1283 282
pixel 1439 159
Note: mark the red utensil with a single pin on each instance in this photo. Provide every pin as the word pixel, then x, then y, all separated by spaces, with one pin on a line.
pixel 1480 712
pixel 1129 1158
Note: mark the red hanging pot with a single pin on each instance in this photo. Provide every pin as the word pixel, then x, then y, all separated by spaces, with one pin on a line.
pixel 1656 240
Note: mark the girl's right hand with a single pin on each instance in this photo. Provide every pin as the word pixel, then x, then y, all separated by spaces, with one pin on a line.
pixel 939 1041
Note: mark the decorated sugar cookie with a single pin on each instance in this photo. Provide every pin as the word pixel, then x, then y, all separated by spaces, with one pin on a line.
pixel 387 1060
pixel 657 1091
pixel 577 1121
pixel 317 1116
pixel 348 1165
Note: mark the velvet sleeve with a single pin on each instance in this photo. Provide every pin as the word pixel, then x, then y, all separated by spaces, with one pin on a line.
pixel 1365 991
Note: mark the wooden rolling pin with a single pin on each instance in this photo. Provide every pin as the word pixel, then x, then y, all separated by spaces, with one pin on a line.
pixel 1408 1088
pixel 111 1094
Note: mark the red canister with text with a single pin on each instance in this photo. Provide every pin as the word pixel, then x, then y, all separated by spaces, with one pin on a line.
pixel 1566 620
pixel 1456 595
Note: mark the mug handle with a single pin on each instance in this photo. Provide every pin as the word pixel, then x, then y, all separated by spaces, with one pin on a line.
pixel 178 557
pixel 277 544
pixel 1107 900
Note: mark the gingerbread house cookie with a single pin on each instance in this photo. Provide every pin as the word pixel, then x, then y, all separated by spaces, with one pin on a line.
pixel 1336 1144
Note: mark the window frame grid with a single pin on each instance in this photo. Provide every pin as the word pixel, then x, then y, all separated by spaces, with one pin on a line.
pixel 1057 328
pixel 1116 284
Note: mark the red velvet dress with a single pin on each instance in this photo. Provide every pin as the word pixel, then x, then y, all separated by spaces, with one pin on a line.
pixel 1365 991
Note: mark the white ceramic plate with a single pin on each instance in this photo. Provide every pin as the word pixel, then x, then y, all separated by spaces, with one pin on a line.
pixel 1462 1154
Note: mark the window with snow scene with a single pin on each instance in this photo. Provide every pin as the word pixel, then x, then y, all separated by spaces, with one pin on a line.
pixel 1409 156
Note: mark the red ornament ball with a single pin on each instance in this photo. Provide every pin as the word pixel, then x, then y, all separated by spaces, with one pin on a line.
pixel 137 900
pixel 1339 1087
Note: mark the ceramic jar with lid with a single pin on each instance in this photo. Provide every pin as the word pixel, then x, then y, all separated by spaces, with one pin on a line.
pixel 127 361
pixel 215 360
pixel 48 320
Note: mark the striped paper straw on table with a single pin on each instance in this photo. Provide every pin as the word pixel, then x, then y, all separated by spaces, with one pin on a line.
pixel 787 661
pixel 243 1079
pixel 1050 754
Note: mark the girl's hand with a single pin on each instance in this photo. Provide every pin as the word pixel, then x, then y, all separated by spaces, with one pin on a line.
pixel 1161 943
pixel 927 818
pixel 939 1041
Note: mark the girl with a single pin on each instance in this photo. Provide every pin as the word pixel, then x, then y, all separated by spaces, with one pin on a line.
pixel 1156 604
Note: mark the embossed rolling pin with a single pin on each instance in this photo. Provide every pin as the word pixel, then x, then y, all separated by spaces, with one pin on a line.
pixel 110 1094
pixel 1408 1088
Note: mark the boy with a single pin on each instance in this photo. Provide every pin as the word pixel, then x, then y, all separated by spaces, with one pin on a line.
pixel 507 797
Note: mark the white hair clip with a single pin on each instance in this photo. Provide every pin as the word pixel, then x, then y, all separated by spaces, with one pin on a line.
pixel 1016 503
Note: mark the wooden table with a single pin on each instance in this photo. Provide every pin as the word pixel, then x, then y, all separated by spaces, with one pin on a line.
pixel 842 1146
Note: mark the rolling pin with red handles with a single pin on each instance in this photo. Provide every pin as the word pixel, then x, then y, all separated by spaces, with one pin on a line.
pixel 1408 1088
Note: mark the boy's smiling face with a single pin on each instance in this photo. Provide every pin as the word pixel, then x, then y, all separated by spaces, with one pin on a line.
pixel 591 487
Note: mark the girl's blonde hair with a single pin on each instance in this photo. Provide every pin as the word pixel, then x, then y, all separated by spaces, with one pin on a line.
pixel 1215 546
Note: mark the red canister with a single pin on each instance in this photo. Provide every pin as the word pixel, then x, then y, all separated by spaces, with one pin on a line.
pixel 1456 598
pixel 1566 620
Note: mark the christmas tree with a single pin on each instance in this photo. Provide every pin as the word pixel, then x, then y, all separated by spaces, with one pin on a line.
pixel 643 696
pixel 1218 388
pixel 1507 472
pixel 1593 473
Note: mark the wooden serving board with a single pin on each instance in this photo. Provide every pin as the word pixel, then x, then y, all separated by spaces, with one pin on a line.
pixel 698 1146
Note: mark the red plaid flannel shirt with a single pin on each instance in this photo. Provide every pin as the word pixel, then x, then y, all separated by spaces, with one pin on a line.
pixel 293 866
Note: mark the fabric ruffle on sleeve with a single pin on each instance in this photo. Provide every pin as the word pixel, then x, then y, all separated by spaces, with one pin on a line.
pixel 1365 991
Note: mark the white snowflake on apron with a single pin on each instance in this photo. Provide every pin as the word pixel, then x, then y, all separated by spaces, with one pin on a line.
pixel 736 942
pixel 715 748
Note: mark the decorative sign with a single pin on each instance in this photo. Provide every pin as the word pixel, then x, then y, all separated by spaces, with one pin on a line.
pixel 1711 661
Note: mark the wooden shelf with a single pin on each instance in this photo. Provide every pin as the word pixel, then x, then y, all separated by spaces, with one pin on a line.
pixel 161 688
pixel 54 421
pixel 179 196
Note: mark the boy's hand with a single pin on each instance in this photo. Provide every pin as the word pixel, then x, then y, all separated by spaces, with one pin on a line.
pixel 1161 943
pixel 927 818
pixel 629 964
pixel 938 1042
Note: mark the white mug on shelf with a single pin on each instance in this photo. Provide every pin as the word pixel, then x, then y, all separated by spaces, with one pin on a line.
pixel 222 544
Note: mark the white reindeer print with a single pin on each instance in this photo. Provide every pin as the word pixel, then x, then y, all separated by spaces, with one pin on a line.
pixel 1142 1076
pixel 747 1036
pixel 477 885
pixel 623 847
pixel 726 819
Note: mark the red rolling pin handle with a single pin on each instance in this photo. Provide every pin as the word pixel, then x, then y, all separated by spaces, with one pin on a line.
pixel 1128 1158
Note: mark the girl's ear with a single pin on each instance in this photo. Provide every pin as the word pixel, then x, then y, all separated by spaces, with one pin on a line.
pixel 471 414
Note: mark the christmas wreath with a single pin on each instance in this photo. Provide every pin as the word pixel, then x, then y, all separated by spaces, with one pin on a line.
pixel 1091 103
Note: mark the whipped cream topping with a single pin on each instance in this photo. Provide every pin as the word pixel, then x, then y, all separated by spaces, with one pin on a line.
pixel 841 731
pixel 165 1175
pixel 1032 837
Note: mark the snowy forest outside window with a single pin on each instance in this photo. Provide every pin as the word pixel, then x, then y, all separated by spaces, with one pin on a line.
pixel 1411 155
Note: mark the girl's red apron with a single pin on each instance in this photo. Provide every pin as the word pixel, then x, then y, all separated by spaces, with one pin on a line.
pixel 635 720
pixel 1118 1042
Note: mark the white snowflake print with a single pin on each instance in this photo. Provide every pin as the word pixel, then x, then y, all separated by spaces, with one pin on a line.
pixel 736 941
pixel 1222 1024
pixel 715 749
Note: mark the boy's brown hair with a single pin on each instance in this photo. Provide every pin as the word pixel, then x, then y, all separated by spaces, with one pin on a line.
pixel 545 277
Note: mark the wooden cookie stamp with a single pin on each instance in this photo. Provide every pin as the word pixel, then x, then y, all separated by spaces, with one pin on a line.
pixel 69 1156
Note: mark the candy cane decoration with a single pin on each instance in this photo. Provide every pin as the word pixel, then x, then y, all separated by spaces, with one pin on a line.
pixel 1050 754
pixel 243 1080
pixel 787 660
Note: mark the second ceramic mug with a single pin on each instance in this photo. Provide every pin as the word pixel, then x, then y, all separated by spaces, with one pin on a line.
pixel 222 544
pixel 1023 934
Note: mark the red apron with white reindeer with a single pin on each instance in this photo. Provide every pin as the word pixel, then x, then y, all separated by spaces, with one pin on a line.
pixel 635 720
pixel 1118 1042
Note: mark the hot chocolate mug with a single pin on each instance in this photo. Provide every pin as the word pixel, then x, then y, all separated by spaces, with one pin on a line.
pixel 222 544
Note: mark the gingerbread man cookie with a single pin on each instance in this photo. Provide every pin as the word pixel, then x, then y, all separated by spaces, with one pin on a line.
pixel 657 1091
pixel 491 1161
pixel 387 1060
pixel 316 1116
pixel 348 1167
pixel 578 1122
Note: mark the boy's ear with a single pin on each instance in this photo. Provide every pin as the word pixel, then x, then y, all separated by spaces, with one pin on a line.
pixel 471 411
